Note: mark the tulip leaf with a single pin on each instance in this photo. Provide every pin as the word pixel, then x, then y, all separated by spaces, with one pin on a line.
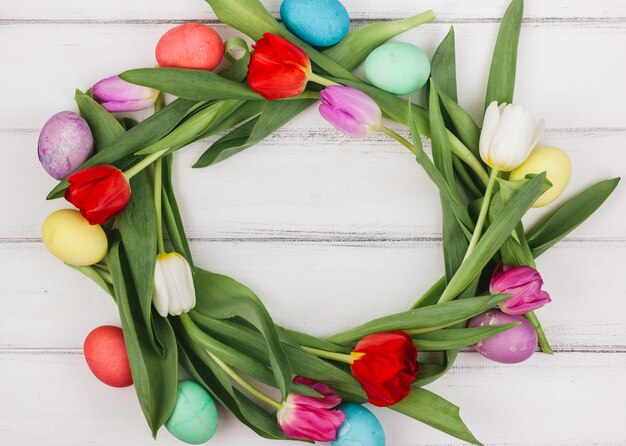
pixel 435 411
pixel 221 297
pixel 155 373
pixel 501 83
pixel 197 85
pixel 453 338
pixel 171 212
pixel 241 115
pixel 104 127
pixel 422 320
pixel 463 123
pixel 95 275
pixel 443 66
pixel 238 68
pixel 142 135
pixel 569 216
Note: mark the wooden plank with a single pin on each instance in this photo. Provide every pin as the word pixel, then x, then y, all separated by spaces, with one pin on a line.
pixel 52 62
pixel 309 182
pixel 33 10
pixel 319 287
pixel 546 400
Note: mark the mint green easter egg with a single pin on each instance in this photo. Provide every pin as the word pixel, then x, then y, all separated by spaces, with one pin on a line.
pixel 194 418
pixel 397 67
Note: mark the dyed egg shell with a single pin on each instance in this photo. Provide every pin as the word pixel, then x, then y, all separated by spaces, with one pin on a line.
pixel 70 237
pixel 360 428
pixel 65 142
pixel 512 346
pixel 106 356
pixel 191 45
pixel 397 67
pixel 317 22
pixel 555 163
pixel 194 418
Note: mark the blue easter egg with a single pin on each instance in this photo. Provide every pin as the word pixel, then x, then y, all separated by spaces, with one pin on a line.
pixel 360 428
pixel 194 418
pixel 317 22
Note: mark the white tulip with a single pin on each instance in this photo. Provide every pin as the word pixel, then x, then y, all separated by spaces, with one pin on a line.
pixel 509 134
pixel 174 292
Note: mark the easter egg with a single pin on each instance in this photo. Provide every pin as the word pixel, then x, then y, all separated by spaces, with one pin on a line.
pixel 557 166
pixel 514 345
pixel 70 237
pixel 397 67
pixel 65 142
pixel 191 45
pixel 360 428
pixel 194 418
pixel 317 22
pixel 106 356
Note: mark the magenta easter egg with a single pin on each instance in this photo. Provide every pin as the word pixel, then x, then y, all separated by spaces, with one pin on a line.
pixel 106 356
pixel 514 345
pixel 191 45
pixel 65 142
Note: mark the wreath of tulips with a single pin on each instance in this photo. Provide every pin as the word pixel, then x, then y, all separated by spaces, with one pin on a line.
pixel 128 235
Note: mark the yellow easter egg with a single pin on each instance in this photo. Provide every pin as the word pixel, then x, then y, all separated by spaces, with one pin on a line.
pixel 69 237
pixel 557 166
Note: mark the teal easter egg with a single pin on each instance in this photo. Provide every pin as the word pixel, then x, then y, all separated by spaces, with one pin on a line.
pixel 194 418
pixel 317 22
pixel 360 428
pixel 397 67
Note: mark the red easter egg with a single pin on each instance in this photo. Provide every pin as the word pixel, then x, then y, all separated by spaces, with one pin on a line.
pixel 106 356
pixel 191 45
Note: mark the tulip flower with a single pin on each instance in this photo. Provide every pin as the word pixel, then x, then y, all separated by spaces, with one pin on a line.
pixel 310 418
pixel 350 110
pixel 509 134
pixel 99 192
pixel 117 95
pixel 386 365
pixel 278 68
pixel 174 292
pixel 524 284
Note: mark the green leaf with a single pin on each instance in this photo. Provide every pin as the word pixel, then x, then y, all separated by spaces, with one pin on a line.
pixel 434 411
pixel 422 320
pixel 238 68
pixel 155 373
pixel 171 212
pixel 104 127
pixel 449 356
pixel 221 297
pixel 443 66
pixel 142 135
pixel 569 216
pixel 453 338
pixel 197 85
pixel 501 83
pixel 464 124
pixel 311 341
pixel 95 275
pixel 242 114
pixel 248 16
pixel 357 45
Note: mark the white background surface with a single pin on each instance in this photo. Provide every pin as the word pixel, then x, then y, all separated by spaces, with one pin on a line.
pixel 328 230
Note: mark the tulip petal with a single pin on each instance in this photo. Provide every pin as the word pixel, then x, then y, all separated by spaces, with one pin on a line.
pixel 490 125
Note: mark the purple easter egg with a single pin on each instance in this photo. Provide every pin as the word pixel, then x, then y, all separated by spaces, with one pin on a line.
pixel 514 345
pixel 65 142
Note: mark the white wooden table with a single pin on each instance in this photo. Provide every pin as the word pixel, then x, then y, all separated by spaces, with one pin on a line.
pixel 329 231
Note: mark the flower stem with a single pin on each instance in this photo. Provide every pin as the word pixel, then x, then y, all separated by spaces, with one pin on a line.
pixel 339 357
pixel 482 216
pixel 158 202
pixel 543 340
pixel 465 155
pixel 400 139
pixel 144 163
pixel 321 80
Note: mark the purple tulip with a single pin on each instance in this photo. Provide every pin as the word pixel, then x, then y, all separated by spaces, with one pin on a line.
pixel 350 110
pixel 524 284
pixel 117 95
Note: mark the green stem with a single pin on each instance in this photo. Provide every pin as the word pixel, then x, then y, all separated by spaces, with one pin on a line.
pixel 339 357
pixel 159 103
pixel 465 155
pixel 158 202
pixel 543 340
pixel 144 163
pixel 387 131
pixel 321 80
pixel 482 216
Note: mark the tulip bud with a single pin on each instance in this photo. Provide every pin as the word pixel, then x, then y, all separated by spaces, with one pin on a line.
pixel 174 292
pixel 509 134
pixel 117 95
pixel 524 284
pixel 350 110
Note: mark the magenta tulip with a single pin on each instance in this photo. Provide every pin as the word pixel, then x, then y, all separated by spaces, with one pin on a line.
pixel 310 418
pixel 350 110
pixel 524 284
pixel 117 95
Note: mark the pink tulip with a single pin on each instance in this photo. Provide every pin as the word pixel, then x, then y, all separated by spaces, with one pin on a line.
pixel 524 284
pixel 350 110
pixel 310 418
pixel 117 95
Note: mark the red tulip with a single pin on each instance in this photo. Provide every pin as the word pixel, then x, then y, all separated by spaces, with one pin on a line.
pixel 278 68
pixel 386 365
pixel 99 192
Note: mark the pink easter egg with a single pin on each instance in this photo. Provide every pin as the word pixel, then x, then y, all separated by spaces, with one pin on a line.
pixel 106 356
